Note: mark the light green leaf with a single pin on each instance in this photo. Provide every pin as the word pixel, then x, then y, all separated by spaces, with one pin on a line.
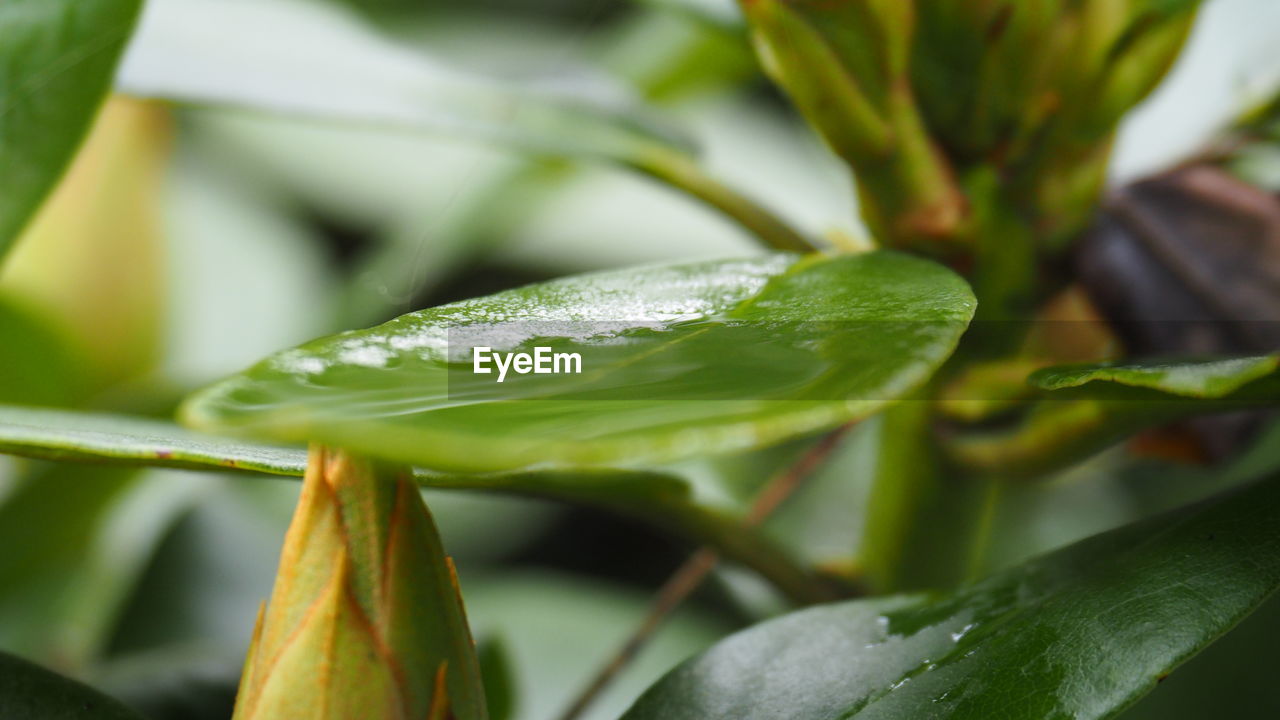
pixel 304 58
pixel 79 436
pixel 1091 407
pixel 1208 379
pixel 85 536
pixel 57 58
pixel 38 366
pixel 666 372
pixel 92 260
pixel 1080 633
pixel 29 691
pixel 97 437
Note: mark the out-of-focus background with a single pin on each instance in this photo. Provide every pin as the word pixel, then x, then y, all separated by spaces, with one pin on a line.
pixel 186 243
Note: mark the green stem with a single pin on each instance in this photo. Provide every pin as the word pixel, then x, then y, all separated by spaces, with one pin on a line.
pixel 922 519
pixel 1005 271
pixel 908 191
pixel 681 172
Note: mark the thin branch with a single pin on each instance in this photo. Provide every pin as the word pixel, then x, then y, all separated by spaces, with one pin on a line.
pixel 683 174
pixel 673 592
pixel 691 574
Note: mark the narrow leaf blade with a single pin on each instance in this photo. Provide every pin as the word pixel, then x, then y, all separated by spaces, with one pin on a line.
pixel 63 435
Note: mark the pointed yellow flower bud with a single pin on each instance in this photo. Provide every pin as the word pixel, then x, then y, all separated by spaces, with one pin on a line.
pixel 365 621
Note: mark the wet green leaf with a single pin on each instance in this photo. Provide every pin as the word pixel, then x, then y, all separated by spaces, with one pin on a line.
pixel 665 372
pixel 302 58
pixel 30 691
pixel 1080 633
pixel 1207 379
pixel 57 58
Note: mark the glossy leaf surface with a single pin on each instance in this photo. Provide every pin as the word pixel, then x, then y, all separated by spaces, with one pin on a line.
pixel 301 58
pixel 30 691
pixel 1080 633
pixel 677 361
pixel 57 60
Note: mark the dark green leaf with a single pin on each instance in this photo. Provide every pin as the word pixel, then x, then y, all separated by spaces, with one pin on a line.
pixel 1080 633
pixel 302 58
pixel 664 353
pixel 58 57
pixel 498 677
pixel 32 693
pixel 1230 679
